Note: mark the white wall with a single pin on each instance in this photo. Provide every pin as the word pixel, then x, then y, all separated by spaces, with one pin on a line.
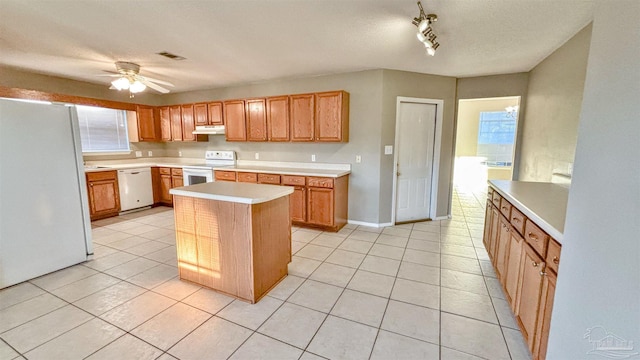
pixel 599 276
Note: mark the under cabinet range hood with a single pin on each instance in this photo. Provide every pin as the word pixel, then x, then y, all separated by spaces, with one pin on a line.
pixel 209 130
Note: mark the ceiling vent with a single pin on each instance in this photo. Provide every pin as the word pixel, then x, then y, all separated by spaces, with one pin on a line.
pixel 171 56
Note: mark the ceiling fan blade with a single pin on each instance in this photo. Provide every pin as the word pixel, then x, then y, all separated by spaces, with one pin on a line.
pixel 155 87
pixel 155 80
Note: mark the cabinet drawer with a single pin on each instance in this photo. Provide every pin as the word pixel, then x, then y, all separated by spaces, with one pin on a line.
pixel 176 171
pixel 165 171
pixel 225 175
pixel 102 175
pixel 320 182
pixel 247 177
pixel 490 193
pixel 505 208
pixel 293 180
pixel 537 238
pixel 517 220
pixel 269 179
pixel 553 255
pixel 496 199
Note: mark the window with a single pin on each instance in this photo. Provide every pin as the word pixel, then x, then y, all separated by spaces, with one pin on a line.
pixel 496 135
pixel 102 130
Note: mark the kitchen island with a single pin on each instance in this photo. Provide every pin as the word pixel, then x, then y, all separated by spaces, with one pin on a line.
pixel 233 237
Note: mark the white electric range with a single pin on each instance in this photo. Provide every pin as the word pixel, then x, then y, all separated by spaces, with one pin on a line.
pixel 200 174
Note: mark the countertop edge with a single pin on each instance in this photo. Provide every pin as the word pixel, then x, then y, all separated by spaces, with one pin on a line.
pixel 527 211
pixel 183 191
pixel 287 171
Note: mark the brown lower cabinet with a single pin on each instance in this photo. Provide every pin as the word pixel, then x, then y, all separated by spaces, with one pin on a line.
pixel 526 261
pixel 164 179
pixel 316 201
pixel 103 193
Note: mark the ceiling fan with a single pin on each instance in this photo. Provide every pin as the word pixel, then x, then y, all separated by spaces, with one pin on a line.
pixel 128 78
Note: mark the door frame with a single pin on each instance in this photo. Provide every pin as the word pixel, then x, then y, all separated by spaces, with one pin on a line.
pixel 439 103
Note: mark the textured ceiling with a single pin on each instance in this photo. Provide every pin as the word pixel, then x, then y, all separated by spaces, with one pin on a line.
pixel 228 42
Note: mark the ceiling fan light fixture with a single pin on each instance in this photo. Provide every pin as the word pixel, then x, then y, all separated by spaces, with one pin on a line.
pixel 121 83
pixel 137 87
pixel 425 33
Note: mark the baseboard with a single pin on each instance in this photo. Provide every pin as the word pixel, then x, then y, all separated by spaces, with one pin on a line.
pixel 368 224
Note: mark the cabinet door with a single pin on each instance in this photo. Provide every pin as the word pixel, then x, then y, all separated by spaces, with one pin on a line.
pixel 320 206
pixel 104 199
pixel 256 120
pixel 215 113
pixel 302 117
pixel 234 120
pixel 176 122
pixel 531 266
pixel 298 204
pixel 200 114
pixel 513 268
pixel 495 233
pixel 278 118
pixel 165 186
pixel 188 123
pixel 165 123
pixel 502 249
pixel 332 117
pixel 486 239
pixel 177 181
pixel 544 317
pixel 147 126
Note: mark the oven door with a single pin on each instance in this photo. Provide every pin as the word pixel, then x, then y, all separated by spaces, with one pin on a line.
pixel 192 176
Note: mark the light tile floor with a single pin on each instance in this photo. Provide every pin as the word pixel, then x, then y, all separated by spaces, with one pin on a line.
pixel 416 291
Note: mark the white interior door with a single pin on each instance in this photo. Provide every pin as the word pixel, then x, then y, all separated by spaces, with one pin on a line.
pixel 415 154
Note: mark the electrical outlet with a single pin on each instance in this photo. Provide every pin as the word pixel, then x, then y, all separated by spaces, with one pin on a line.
pixel 257 156
pixel 150 153
pixel 313 157
pixel 179 153
pixel 138 153
pixel 388 149
pixel 358 159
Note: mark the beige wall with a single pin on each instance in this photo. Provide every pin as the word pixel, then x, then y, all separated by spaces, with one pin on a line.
pixel 554 100
pixel 469 119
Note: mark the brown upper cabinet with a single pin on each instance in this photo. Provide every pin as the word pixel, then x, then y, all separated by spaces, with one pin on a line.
pixel 147 123
pixel 278 118
pixel 332 116
pixel 176 122
pixel 302 112
pixel 256 120
pixel 200 114
pixel 215 113
pixel 165 123
pixel 188 123
pixel 234 119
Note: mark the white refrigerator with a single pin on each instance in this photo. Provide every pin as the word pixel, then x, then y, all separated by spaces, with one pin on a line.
pixel 44 217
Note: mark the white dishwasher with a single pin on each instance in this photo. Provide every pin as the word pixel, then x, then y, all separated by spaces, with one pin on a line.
pixel 136 189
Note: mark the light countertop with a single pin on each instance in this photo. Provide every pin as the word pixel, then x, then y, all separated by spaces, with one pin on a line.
pixel 544 203
pixel 243 193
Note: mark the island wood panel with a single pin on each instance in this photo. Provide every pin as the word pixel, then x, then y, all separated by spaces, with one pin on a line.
pixel 271 244
pixel 239 249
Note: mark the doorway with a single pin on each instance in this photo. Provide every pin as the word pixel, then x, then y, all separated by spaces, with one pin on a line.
pixel 485 141
pixel 418 136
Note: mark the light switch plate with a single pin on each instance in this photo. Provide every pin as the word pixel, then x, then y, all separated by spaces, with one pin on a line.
pixel 138 153
pixel 180 153
pixel 313 157
pixel 358 159
pixel 150 153
pixel 257 156
pixel 388 149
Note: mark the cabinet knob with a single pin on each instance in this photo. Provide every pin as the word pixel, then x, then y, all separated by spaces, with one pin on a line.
pixel 532 236
pixel 543 273
pixel 91 185
pixel 535 264
pixel 556 260
pixel 515 220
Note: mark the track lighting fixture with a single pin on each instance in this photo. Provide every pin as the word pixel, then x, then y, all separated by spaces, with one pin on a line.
pixel 425 32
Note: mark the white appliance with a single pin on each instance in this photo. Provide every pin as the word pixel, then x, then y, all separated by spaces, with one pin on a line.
pixel 209 129
pixel 136 189
pixel 200 174
pixel 44 215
